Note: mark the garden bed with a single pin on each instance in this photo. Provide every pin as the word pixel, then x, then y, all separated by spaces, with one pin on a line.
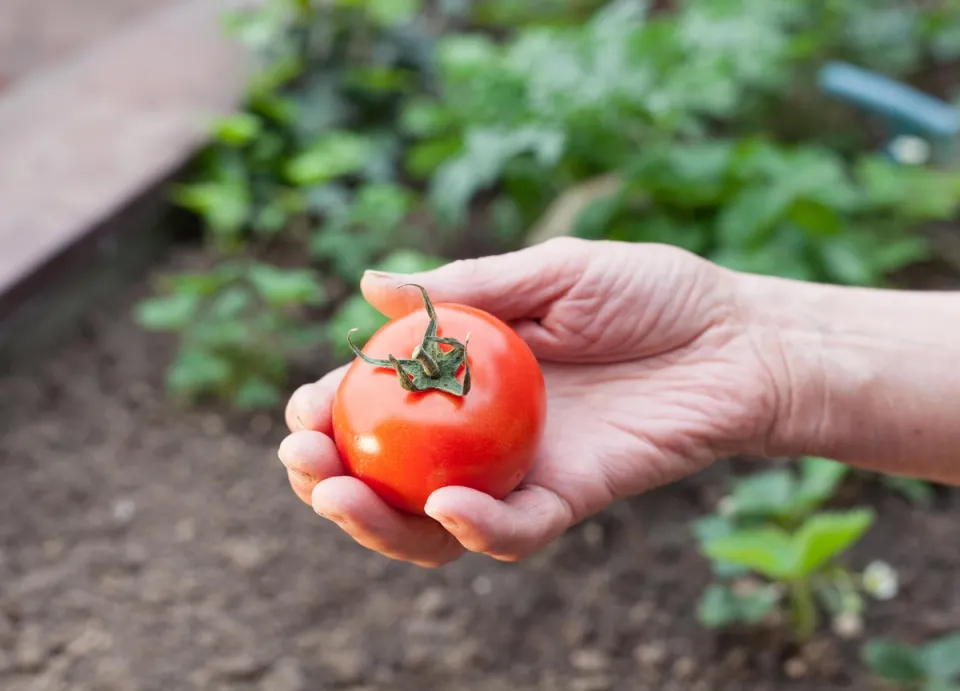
pixel 146 547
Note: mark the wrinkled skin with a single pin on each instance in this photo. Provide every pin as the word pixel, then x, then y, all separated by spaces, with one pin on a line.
pixel 651 376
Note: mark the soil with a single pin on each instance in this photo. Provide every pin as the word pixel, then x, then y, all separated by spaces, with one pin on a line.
pixel 147 548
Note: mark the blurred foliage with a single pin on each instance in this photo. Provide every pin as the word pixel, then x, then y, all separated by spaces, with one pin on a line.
pixel 377 125
pixel 773 524
pixel 932 666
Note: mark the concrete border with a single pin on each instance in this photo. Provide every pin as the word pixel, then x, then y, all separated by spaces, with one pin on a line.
pixel 86 146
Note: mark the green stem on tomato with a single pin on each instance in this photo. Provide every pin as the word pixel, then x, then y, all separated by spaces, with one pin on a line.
pixel 429 366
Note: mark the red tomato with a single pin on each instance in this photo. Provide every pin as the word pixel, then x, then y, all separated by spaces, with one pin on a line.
pixel 478 427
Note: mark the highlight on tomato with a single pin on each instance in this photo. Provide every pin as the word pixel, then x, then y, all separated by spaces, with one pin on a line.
pixel 415 412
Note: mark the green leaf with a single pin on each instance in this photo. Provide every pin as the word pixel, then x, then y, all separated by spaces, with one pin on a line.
pixel 720 606
pixel 168 313
pixel 353 313
pixel 237 129
pixel 899 253
pixel 197 371
pixel 916 491
pixel 199 284
pixel 940 685
pixel 819 478
pixel 768 551
pixel 393 12
pixel 381 206
pixel 846 262
pixel 462 55
pixel 223 204
pixel 407 261
pixel 941 658
pixel 424 118
pixel 486 152
pixel 334 155
pixel 423 159
pixel 709 528
pixel 894 662
pixel 757 605
pixel 594 220
pixel 256 394
pixel 764 494
pixel 283 287
pixel 231 303
pixel 750 218
pixel 826 535
pixel 717 607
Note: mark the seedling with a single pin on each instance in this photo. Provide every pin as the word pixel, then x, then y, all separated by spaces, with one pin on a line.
pixel 769 526
pixel 775 497
pixel 933 666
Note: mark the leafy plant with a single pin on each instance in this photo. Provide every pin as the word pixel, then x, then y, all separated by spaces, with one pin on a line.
pixel 801 562
pixel 917 492
pixel 238 324
pixel 641 96
pixel 373 125
pixel 933 666
pixel 771 526
pixel 309 165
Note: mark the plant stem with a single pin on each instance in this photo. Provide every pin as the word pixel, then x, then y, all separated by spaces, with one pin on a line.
pixel 429 366
pixel 803 610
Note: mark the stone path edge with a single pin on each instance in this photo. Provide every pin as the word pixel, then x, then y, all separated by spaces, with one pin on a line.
pixel 87 149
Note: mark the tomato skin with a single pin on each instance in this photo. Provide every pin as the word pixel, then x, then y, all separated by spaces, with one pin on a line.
pixel 406 445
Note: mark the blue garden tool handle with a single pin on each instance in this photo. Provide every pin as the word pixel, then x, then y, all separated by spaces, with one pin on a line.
pixel 905 110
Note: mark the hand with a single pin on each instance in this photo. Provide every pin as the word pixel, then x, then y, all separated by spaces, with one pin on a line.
pixel 651 375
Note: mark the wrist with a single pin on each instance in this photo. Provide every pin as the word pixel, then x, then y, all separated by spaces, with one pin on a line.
pixel 782 320
pixel 861 375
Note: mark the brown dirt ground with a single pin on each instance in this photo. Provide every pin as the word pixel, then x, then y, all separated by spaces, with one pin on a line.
pixel 147 548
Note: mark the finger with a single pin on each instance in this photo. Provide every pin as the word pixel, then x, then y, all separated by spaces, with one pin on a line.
pixel 309 458
pixel 507 530
pixel 510 286
pixel 363 515
pixel 309 406
pixel 302 485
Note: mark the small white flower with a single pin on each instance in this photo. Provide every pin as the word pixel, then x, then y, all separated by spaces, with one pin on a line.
pixel 848 625
pixel 910 150
pixel 880 580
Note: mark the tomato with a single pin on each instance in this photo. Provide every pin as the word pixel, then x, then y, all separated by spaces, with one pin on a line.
pixel 464 403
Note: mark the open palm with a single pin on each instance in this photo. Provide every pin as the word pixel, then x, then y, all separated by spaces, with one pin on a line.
pixel 651 375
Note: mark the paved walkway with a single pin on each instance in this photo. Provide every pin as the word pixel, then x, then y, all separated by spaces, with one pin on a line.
pixel 39 33
pixel 114 96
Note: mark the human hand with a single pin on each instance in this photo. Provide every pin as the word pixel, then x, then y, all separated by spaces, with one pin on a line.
pixel 651 375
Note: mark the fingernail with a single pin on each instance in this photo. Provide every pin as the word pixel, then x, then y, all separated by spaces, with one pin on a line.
pixel 379 274
pixel 447 522
pixel 300 475
pixel 335 517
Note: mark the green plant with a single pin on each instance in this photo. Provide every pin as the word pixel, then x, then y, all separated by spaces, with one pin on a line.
pixel 239 324
pixel 646 97
pixel 318 119
pixel 759 207
pixel 933 666
pixel 917 492
pixel 373 125
pixel 770 525
pixel 307 167
pixel 801 565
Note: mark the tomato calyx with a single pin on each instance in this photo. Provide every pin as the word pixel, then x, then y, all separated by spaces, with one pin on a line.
pixel 429 366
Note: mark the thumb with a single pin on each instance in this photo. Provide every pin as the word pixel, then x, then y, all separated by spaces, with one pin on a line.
pixel 512 286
